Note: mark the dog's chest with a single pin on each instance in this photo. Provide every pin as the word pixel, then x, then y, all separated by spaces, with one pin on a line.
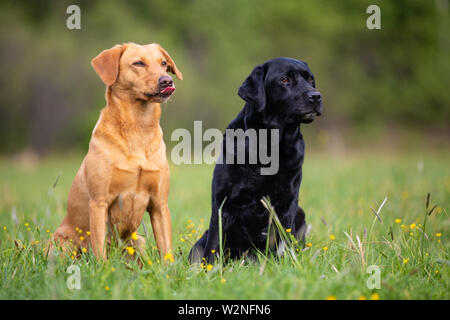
pixel 133 185
pixel 134 178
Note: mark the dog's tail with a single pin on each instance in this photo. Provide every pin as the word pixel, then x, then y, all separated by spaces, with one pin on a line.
pixel 198 250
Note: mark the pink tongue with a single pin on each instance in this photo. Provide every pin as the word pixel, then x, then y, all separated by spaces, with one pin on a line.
pixel 168 90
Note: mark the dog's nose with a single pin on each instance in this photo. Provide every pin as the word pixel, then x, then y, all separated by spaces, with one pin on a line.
pixel 314 96
pixel 165 81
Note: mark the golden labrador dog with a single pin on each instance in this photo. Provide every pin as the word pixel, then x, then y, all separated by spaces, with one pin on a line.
pixel 125 171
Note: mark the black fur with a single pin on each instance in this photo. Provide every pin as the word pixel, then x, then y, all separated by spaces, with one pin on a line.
pixel 279 94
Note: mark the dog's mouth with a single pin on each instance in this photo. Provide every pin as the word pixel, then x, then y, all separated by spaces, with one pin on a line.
pixel 308 117
pixel 163 93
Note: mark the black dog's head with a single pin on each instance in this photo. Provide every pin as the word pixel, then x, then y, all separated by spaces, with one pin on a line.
pixel 284 87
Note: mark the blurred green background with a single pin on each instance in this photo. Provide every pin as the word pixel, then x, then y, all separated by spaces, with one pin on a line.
pixel 385 87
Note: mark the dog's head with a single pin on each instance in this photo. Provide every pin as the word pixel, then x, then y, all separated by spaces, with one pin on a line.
pixel 285 88
pixel 141 72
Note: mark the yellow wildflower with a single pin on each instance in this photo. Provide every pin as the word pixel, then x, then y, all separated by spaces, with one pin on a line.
pixel 438 234
pixel 332 237
pixel 88 233
pixel 223 280
pixel 209 267
pixel 325 248
pixel 405 261
pixel 149 262
pixel 134 236
pixel 212 251
pixel 84 250
pixel 398 220
pixel 27 224
pixel 288 230
pixel 309 244
pixel 81 238
pixel 412 226
pixel 130 250
pixel 362 298
pixel 375 296
pixel 331 298
pixel 106 288
pixel 113 269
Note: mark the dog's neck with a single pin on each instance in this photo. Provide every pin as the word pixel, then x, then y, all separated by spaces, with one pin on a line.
pixel 135 122
pixel 133 112
pixel 260 120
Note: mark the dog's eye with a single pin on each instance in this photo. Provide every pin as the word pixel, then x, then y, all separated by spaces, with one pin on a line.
pixel 284 79
pixel 139 64
pixel 163 63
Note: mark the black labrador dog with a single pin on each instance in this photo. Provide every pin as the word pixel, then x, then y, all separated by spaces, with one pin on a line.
pixel 279 94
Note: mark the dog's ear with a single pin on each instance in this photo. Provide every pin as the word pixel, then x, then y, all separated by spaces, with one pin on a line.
pixel 171 64
pixel 106 64
pixel 252 90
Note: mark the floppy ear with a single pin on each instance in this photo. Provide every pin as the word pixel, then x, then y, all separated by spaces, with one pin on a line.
pixel 106 64
pixel 171 64
pixel 252 90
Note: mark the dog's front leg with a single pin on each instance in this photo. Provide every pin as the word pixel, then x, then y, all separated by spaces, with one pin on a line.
pixel 98 212
pixel 162 228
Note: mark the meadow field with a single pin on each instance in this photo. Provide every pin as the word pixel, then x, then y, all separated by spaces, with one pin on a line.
pixel 409 245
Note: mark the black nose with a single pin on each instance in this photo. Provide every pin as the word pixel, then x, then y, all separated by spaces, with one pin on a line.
pixel 165 81
pixel 314 96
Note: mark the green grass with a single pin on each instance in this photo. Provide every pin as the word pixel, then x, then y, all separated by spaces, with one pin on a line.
pixel 337 194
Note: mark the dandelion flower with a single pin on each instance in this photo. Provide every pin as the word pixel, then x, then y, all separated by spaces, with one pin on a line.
pixel 182 239
pixel 48 231
pixel 88 233
pixel 309 244
pixel 412 226
pixel 325 248
pixel 84 250
pixel 130 250
pixel 437 271
pixel 439 234
pixel 209 267
pixel 149 262
pixel 28 229
pixel 81 238
pixel 362 298
pixel 375 296
pixel 398 220
pixel 332 237
pixel 288 230
pixel 76 228
pixel 169 256
pixel 4 228
pixel 405 261
pixel 134 236
pixel 106 288
pixel 212 251
pixel 223 280
pixel 113 269
pixel 27 224
pixel 331 298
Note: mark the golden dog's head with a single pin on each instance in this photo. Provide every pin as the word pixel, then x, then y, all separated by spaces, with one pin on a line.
pixel 138 71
